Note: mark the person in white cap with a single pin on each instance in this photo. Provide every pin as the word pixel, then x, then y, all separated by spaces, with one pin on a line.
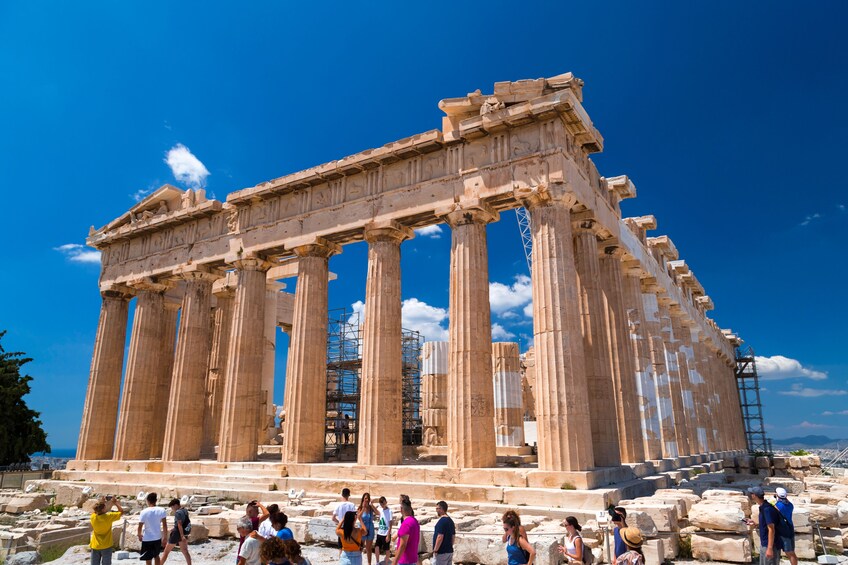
pixel 785 507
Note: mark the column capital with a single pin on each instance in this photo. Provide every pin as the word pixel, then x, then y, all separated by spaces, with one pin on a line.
pixel 251 262
pixel 470 211
pixel 585 222
pixel 389 231
pixel 611 248
pixel 172 306
pixel 116 291
pixel 192 272
pixel 543 195
pixel 318 247
pixel 650 286
pixel 149 284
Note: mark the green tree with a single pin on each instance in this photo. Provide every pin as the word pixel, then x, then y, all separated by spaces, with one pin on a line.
pixel 20 428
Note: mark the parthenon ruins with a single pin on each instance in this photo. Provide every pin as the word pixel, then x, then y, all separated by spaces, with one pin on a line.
pixel 628 369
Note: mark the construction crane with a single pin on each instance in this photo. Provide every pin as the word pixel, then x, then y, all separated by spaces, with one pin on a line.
pixel 523 217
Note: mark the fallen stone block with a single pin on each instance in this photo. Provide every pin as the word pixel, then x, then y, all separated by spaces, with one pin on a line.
pixel 643 521
pixel 735 548
pixel 779 462
pixel 826 516
pixel 654 551
pixel 23 558
pixel 832 540
pixel 722 515
pixel 663 515
pixel 209 510
pixel 804 546
pixel 792 486
pixel 321 530
pixel 26 502
pixel 70 495
pixel 671 544
pixel 762 463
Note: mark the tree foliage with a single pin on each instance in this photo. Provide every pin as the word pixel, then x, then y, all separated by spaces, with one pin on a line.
pixel 20 428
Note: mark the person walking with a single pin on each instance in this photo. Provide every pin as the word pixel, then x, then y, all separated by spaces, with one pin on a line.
pixel 384 529
pixel 351 538
pixel 248 553
pixel 769 519
pixel 632 539
pixel 152 527
pixel 573 550
pixel 408 536
pixel 179 535
pixel 518 549
pixel 443 536
pixel 366 515
pixel 786 508
pixel 101 530
pixel 521 531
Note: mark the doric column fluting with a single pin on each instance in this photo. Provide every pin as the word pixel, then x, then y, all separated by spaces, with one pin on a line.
pixel 240 412
pixel 381 405
pixel 683 399
pixel 621 355
pixel 184 426
pixel 668 396
pixel 599 382
pixel 97 432
pixel 145 365
pixel 267 428
pixel 563 418
pixel 506 377
pixel 646 379
pixel 164 381
pixel 691 382
pixel 471 431
pixel 306 371
pixel 222 316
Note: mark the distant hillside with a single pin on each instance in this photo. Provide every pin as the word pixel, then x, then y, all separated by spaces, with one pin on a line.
pixel 819 442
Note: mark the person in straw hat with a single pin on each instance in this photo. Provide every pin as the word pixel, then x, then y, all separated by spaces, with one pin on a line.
pixel 632 538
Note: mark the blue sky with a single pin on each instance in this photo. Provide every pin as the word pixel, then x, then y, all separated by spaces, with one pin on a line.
pixel 728 116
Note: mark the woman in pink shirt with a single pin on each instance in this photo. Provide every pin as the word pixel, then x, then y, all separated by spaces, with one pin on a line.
pixel 407 535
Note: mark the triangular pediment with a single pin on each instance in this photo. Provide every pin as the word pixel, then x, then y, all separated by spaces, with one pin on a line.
pixel 162 201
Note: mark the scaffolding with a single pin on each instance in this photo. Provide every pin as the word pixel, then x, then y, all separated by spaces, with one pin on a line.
pixel 748 383
pixel 344 369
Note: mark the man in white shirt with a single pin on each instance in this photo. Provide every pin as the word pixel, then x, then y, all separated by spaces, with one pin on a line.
pixel 152 522
pixel 343 508
pixel 249 550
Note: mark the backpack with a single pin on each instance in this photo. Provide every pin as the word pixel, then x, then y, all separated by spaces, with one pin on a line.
pixel 186 523
pixel 588 557
pixel 782 528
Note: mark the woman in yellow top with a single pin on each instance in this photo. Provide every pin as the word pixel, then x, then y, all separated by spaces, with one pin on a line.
pixel 101 530
pixel 351 537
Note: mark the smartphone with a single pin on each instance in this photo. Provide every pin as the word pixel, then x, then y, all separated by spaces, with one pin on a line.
pixel 108 497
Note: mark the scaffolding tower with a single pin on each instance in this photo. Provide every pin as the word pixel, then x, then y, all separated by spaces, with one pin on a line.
pixel 344 370
pixel 748 383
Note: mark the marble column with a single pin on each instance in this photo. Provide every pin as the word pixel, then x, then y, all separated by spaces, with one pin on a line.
pixel 381 399
pixel 691 386
pixel 471 433
pixel 163 386
pixel 563 418
pixel 631 443
pixel 267 424
pixel 685 410
pixel 145 364
pixel 306 371
pixel 184 427
pixel 601 389
pixel 97 432
pixel 222 325
pixel 434 392
pixel 669 401
pixel 240 411
pixel 506 377
pixel 646 382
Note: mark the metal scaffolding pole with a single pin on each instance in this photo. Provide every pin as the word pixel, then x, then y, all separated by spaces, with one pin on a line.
pixel 748 383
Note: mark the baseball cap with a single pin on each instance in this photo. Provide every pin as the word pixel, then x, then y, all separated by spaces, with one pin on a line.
pixel 781 492
pixel 757 491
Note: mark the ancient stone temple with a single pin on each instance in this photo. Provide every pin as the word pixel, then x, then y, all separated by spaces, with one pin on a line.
pixel 627 368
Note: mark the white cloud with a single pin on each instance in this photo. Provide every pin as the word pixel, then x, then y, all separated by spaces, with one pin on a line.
pixel 78 253
pixel 528 310
pixel 810 218
pixel 433 232
pixel 431 321
pixel 141 193
pixel 501 333
pixel 805 392
pixel 838 413
pixel 779 367
pixel 186 167
pixel 503 298
pixel 811 426
pixel 841 207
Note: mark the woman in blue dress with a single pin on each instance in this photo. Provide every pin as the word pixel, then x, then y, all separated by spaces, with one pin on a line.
pixel 518 549
pixel 367 512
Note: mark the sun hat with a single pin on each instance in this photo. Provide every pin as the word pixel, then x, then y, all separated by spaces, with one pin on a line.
pixel 632 536
pixel 781 492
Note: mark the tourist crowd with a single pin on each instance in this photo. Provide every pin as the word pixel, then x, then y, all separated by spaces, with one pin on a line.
pixel 367 532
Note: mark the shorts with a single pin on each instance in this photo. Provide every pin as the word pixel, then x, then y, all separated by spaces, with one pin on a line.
pixel 788 543
pixel 150 549
pixel 174 537
pixel 443 558
pixel 382 542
